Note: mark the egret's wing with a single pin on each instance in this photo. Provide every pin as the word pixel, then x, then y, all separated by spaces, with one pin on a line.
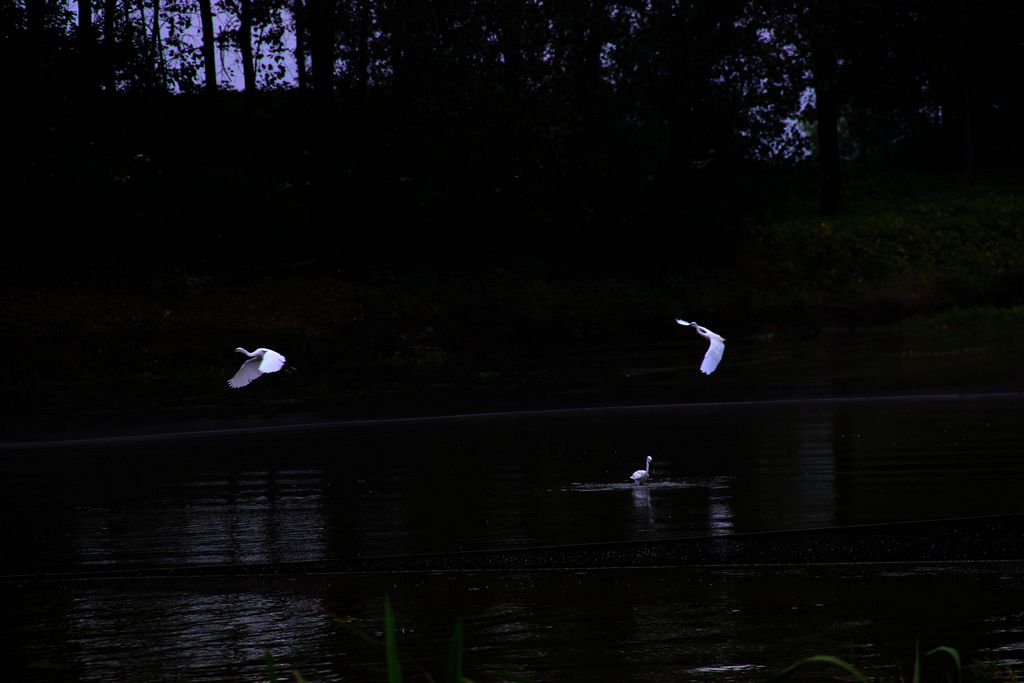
pixel 682 322
pixel 272 361
pixel 713 357
pixel 249 371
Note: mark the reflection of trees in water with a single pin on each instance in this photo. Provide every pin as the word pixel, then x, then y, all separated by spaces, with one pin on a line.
pixel 786 470
pixel 223 517
pixel 719 507
pixel 153 631
pixel 815 477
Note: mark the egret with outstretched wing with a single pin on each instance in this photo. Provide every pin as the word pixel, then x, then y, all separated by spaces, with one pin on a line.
pixel 715 349
pixel 261 361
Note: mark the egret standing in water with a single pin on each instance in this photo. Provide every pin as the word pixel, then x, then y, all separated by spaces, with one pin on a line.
pixel 641 476
pixel 715 350
pixel 261 361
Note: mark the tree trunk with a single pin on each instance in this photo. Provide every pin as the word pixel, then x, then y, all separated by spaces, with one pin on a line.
pixel 299 13
pixel 146 46
pixel 321 132
pixel 512 56
pixel 35 27
pixel 129 27
pixel 827 111
pixel 84 19
pixel 245 44
pixel 322 47
pixel 157 46
pixel 588 61
pixel 400 47
pixel 109 45
pixel 208 47
pixel 85 37
pixel 362 57
pixel 86 44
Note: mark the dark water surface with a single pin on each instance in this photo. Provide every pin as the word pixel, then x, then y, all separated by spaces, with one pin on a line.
pixel 186 558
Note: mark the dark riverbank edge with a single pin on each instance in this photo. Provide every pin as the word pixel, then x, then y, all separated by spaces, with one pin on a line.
pixel 869 363
pixel 183 422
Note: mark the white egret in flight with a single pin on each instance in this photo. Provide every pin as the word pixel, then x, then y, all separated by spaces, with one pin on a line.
pixel 641 476
pixel 715 350
pixel 260 361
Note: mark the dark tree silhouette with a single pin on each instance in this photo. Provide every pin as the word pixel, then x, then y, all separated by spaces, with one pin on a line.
pixel 554 125
pixel 826 107
pixel 208 46
pixel 299 26
pixel 245 46
pixel 321 28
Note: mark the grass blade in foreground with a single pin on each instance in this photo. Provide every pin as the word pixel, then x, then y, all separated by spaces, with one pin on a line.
pixel 455 656
pixel 823 659
pixel 952 653
pixel 271 669
pixel 390 646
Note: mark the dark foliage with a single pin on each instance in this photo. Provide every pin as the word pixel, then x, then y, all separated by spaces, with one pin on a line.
pixel 475 128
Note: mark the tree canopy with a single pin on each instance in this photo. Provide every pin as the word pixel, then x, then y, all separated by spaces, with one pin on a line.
pixel 412 125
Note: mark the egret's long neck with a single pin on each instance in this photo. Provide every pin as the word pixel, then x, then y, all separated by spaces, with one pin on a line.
pixel 241 350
